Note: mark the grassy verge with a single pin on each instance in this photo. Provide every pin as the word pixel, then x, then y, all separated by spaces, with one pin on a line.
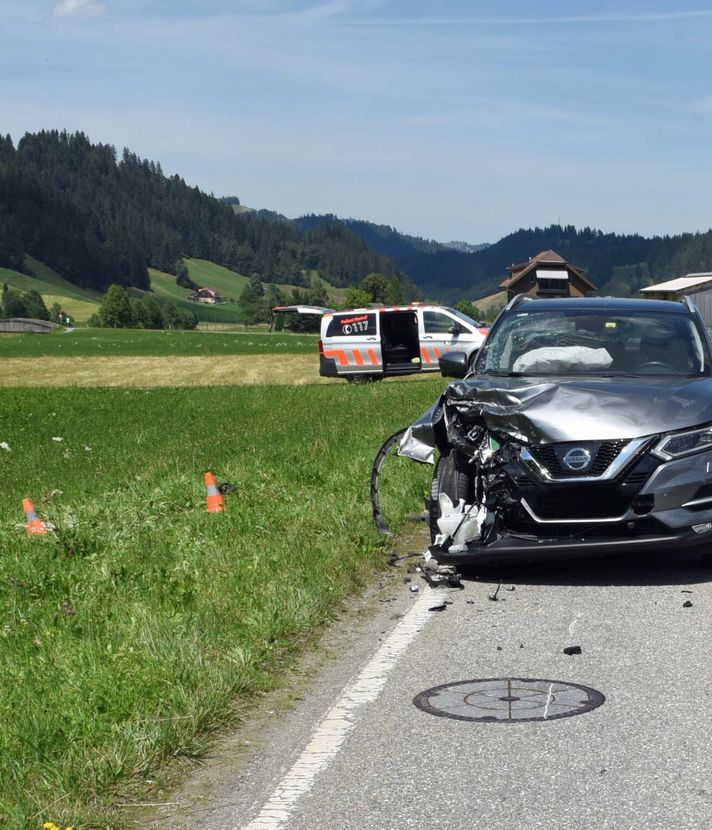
pixel 127 342
pixel 129 632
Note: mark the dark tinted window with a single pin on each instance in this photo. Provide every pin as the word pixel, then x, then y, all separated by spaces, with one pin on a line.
pixel 435 322
pixel 352 324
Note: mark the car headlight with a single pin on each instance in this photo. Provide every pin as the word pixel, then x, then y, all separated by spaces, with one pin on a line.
pixel 678 444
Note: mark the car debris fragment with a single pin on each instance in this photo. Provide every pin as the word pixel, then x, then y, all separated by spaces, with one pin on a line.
pixel 687 604
pixel 572 649
pixel 495 596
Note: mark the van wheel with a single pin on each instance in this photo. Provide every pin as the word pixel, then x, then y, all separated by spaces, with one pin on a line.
pixel 361 378
pixel 452 477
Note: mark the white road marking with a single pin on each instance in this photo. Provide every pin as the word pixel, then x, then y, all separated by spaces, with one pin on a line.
pixel 329 736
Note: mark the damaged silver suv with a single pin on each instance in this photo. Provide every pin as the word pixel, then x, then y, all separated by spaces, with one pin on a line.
pixel 585 426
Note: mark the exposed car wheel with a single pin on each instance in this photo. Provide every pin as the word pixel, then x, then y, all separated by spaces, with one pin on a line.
pixel 362 378
pixel 452 477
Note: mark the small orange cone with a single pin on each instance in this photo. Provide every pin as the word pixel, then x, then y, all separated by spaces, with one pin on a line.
pixel 214 500
pixel 35 525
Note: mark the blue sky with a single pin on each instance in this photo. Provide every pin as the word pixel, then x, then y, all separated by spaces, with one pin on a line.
pixel 451 120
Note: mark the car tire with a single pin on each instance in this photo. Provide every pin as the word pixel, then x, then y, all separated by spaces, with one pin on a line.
pixel 361 378
pixel 452 477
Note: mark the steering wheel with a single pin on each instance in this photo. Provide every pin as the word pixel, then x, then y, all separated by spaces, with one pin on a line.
pixel 653 365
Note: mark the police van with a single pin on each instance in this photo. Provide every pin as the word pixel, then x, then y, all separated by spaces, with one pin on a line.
pixel 365 344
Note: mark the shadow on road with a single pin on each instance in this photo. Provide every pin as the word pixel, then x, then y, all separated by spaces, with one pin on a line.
pixel 668 568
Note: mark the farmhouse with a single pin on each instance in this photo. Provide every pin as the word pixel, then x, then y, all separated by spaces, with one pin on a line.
pixel 206 295
pixel 547 275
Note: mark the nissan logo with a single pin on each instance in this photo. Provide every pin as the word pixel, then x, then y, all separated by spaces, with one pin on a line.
pixel 577 459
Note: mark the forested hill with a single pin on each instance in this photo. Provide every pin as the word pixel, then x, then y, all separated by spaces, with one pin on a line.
pixel 97 219
pixel 617 264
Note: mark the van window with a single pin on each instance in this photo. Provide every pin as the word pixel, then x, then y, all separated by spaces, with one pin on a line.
pixel 434 322
pixel 348 325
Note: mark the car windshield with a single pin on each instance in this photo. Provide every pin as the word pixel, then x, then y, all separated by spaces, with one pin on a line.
pixel 594 341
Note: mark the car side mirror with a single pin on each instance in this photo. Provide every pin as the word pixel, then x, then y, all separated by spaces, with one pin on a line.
pixel 453 365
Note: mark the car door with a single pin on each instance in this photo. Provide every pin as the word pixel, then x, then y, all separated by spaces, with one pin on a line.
pixel 352 340
pixel 437 337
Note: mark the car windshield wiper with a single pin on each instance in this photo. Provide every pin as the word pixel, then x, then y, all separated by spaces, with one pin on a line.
pixel 504 374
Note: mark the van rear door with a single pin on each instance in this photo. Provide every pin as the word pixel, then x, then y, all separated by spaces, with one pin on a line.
pixel 351 342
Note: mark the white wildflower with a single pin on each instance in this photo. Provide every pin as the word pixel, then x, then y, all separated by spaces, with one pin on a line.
pixel 88 449
pixel 57 438
pixel 5 446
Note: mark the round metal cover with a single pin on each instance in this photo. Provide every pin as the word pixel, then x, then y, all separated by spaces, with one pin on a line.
pixel 508 700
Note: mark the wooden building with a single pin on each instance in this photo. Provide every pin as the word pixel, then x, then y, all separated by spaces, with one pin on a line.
pixel 547 275
pixel 698 288
pixel 205 295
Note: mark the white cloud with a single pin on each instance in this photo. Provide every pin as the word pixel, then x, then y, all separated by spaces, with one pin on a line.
pixel 79 8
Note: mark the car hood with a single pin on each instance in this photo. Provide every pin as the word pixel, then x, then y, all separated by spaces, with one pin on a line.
pixel 537 411
pixel 575 410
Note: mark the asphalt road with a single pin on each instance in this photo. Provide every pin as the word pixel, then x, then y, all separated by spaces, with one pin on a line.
pixel 640 761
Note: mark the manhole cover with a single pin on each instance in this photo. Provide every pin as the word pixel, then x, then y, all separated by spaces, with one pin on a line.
pixel 508 700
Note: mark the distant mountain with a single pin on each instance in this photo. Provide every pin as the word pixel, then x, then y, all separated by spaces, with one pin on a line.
pixel 97 219
pixel 466 247
pixel 617 264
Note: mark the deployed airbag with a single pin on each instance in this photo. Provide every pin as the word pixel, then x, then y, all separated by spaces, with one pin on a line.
pixel 552 359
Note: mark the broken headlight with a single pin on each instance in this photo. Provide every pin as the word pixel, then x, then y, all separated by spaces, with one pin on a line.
pixel 678 444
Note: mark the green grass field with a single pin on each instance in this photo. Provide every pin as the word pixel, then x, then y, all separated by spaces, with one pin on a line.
pixel 130 631
pixel 114 342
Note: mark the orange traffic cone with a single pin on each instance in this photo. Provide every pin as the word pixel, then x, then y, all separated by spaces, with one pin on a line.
pixel 214 500
pixel 35 525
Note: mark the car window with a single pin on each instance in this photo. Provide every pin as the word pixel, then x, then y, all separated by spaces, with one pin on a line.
pixel 435 322
pixel 593 341
pixel 350 324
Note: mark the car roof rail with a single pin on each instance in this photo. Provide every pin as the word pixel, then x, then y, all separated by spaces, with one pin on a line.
pixel 687 302
pixel 517 300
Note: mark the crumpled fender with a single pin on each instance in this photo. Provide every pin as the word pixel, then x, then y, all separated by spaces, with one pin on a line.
pixel 424 435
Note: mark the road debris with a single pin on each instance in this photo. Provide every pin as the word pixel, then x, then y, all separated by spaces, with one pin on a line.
pixel 687 604
pixel 573 649
pixel 437 575
pixel 494 597
pixel 414 589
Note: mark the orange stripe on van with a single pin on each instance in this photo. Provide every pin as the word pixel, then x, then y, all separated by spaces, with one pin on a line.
pixel 424 354
pixel 437 352
pixel 340 356
pixel 357 356
pixel 372 357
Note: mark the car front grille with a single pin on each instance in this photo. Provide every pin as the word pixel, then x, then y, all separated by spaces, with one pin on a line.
pixel 603 454
pixel 581 502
